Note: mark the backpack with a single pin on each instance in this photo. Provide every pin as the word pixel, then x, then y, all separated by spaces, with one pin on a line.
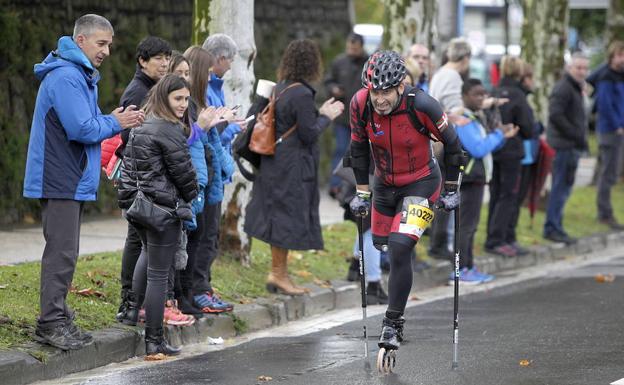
pixel 410 106
pixel 263 135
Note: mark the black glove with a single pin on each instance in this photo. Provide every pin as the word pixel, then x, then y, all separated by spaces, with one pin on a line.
pixel 449 199
pixel 360 204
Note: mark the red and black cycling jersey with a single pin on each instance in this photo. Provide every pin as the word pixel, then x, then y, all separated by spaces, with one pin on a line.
pixel 402 154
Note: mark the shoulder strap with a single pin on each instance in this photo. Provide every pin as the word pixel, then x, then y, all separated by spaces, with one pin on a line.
pixel 294 127
pixel 136 169
pixel 285 89
pixel 411 112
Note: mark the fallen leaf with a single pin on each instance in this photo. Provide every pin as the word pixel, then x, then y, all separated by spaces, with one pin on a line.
pixel 297 256
pixel 156 357
pixel 3 286
pixel 525 362
pixel 89 292
pixel 414 297
pixel 605 278
pixel 322 283
pixel 303 274
pixel 265 378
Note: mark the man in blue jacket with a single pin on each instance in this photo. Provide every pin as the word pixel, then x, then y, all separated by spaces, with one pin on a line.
pixel 608 82
pixel 63 164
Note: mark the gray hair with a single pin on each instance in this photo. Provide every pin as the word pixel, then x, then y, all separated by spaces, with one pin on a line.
pixel 220 45
pixel 87 24
pixel 458 49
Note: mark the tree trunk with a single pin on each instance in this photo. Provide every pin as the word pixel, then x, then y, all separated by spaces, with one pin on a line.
pixel 543 41
pixel 409 22
pixel 235 19
pixel 615 21
pixel 201 20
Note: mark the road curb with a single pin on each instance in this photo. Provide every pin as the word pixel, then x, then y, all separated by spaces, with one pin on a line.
pixel 119 343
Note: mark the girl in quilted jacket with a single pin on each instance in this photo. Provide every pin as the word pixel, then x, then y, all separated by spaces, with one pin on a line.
pixel 157 158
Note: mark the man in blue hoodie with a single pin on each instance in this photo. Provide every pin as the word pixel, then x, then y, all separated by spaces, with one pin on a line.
pixel 608 81
pixel 63 164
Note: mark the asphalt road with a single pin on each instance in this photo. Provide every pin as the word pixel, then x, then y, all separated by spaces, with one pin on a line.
pixel 566 326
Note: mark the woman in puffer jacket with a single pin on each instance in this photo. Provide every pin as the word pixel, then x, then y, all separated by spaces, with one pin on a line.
pixel 158 156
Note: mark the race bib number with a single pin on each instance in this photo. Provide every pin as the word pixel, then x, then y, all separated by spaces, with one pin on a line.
pixel 415 220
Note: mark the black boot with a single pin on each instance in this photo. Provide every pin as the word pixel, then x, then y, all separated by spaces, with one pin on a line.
pixel 354 270
pixel 155 343
pixel 186 304
pixel 375 294
pixel 391 333
pixel 123 305
pixel 131 315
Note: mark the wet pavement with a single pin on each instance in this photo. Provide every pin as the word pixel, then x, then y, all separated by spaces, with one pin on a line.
pixel 561 328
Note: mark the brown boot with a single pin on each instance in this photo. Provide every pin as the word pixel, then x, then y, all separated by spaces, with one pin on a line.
pixel 278 280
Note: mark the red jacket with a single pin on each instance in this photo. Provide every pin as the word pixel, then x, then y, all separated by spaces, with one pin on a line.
pixel 401 153
pixel 109 158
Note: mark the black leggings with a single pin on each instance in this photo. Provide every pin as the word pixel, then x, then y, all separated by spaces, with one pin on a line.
pixel 400 247
pixel 152 270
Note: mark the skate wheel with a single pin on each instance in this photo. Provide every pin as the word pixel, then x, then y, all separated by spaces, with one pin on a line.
pixel 386 360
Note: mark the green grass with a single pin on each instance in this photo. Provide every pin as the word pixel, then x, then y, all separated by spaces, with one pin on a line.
pixel 19 284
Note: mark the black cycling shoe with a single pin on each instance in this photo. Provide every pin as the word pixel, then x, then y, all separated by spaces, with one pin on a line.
pixel 60 336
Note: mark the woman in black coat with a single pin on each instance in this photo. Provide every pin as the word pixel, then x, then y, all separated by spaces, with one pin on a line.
pixel 284 206
pixel 507 170
pixel 157 157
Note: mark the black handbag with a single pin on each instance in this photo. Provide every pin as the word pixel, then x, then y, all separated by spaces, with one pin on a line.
pixel 143 211
pixel 240 145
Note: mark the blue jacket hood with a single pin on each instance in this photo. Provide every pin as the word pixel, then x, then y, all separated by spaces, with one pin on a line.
pixel 67 53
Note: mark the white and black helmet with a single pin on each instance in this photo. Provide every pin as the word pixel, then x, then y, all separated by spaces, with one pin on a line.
pixel 383 70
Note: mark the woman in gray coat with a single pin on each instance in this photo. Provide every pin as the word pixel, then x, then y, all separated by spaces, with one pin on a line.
pixel 284 206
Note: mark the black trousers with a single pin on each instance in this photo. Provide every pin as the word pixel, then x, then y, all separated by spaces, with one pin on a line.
pixel 504 188
pixel 152 270
pixel 129 257
pixel 470 212
pixel 203 248
pixel 61 229
pixel 523 189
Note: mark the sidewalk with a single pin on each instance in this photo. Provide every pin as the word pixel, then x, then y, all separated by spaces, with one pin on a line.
pixel 104 234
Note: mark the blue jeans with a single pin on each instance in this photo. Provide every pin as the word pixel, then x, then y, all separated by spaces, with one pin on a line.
pixel 372 257
pixel 563 172
pixel 342 134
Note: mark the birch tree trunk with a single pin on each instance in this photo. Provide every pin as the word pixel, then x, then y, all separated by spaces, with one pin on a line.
pixel 409 22
pixel 543 41
pixel 235 19
pixel 615 21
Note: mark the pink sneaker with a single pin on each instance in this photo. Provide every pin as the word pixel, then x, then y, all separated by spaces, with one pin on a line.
pixel 173 316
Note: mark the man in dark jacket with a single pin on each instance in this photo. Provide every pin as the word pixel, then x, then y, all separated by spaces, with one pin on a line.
pixel 608 82
pixel 63 164
pixel 152 56
pixel 566 133
pixel 342 82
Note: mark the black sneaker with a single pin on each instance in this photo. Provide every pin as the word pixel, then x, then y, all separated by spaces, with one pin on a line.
pixel 59 336
pixel 520 250
pixel 612 223
pixel 560 238
pixel 80 334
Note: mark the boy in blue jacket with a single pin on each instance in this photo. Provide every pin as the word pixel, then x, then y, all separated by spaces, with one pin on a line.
pixel 479 143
